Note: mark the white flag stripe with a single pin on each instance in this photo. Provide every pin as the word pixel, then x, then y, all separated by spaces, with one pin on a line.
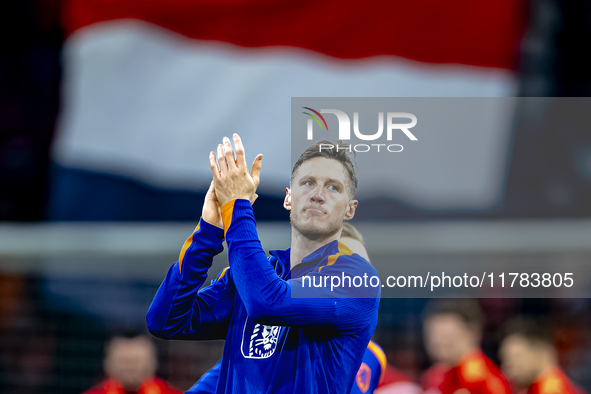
pixel 142 102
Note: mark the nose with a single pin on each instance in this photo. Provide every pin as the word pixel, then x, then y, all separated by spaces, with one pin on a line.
pixel 317 195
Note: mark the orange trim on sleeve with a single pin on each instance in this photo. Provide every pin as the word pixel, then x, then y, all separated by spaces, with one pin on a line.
pixel 221 275
pixel 342 250
pixel 186 246
pixel 227 211
pixel 380 355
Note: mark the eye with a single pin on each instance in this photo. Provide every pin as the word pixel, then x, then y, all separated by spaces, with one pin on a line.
pixel 309 183
pixel 333 188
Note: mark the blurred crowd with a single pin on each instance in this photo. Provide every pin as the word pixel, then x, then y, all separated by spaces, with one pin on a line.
pixel 51 350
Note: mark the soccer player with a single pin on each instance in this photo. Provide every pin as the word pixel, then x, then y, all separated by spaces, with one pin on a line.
pixel 353 239
pixel 371 372
pixel 529 359
pixel 275 342
pixel 375 375
pixel 452 332
pixel 130 364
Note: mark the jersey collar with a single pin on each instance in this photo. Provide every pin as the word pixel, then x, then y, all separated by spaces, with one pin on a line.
pixel 309 263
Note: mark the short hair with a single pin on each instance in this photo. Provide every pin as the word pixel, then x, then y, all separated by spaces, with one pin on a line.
pixel 468 310
pixel 126 332
pixel 126 336
pixel 339 154
pixel 535 330
pixel 351 232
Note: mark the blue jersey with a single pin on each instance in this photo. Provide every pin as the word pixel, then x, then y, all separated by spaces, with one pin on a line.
pixel 208 382
pixel 371 372
pixel 275 342
pixel 367 380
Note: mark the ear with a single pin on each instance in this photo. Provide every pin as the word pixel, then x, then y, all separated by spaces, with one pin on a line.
pixel 350 212
pixel 287 200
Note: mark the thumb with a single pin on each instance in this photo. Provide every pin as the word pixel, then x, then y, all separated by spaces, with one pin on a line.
pixel 256 169
pixel 210 195
pixel 211 189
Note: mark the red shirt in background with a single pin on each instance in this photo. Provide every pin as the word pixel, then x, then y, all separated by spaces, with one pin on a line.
pixel 395 382
pixel 554 382
pixel 150 386
pixel 475 373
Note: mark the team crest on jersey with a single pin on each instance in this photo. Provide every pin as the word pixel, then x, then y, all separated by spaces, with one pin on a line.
pixel 259 340
pixel 363 378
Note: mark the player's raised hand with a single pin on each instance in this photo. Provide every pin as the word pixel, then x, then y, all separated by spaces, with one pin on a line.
pixel 233 180
pixel 211 211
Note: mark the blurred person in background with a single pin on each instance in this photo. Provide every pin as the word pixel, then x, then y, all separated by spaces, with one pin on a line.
pixel 387 380
pixel 529 358
pixel 371 372
pixel 130 364
pixel 375 375
pixel 452 334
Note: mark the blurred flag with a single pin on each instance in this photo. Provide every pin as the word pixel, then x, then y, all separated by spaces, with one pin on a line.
pixel 150 87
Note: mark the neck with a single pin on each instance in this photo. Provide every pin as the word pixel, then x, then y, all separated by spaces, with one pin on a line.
pixel 546 366
pixel 468 349
pixel 302 246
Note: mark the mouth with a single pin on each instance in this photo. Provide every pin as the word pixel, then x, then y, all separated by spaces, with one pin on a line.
pixel 315 211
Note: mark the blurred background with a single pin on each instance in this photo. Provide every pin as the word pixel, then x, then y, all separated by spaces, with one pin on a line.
pixel 109 109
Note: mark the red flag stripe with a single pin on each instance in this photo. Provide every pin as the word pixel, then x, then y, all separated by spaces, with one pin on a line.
pixel 481 33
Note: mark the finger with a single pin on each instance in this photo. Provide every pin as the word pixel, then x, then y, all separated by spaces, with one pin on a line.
pixel 229 153
pixel 222 160
pixel 214 167
pixel 240 156
pixel 255 173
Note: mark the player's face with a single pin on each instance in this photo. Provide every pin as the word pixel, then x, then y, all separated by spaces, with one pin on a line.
pixel 519 360
pixel 446 338
pixel 320 198
pixel 129 361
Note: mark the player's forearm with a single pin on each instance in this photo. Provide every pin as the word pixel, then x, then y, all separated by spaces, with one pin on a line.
pixel 254 278
pixel 176 307
pixel 170 312
pixel 198 252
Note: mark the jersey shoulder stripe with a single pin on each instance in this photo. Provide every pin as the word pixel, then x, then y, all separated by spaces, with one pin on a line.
pixel 342 250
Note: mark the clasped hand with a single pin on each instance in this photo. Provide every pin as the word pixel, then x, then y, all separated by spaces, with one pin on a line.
pixel 231 180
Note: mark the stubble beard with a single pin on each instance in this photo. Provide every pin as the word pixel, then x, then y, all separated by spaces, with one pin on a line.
pixel 312 232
